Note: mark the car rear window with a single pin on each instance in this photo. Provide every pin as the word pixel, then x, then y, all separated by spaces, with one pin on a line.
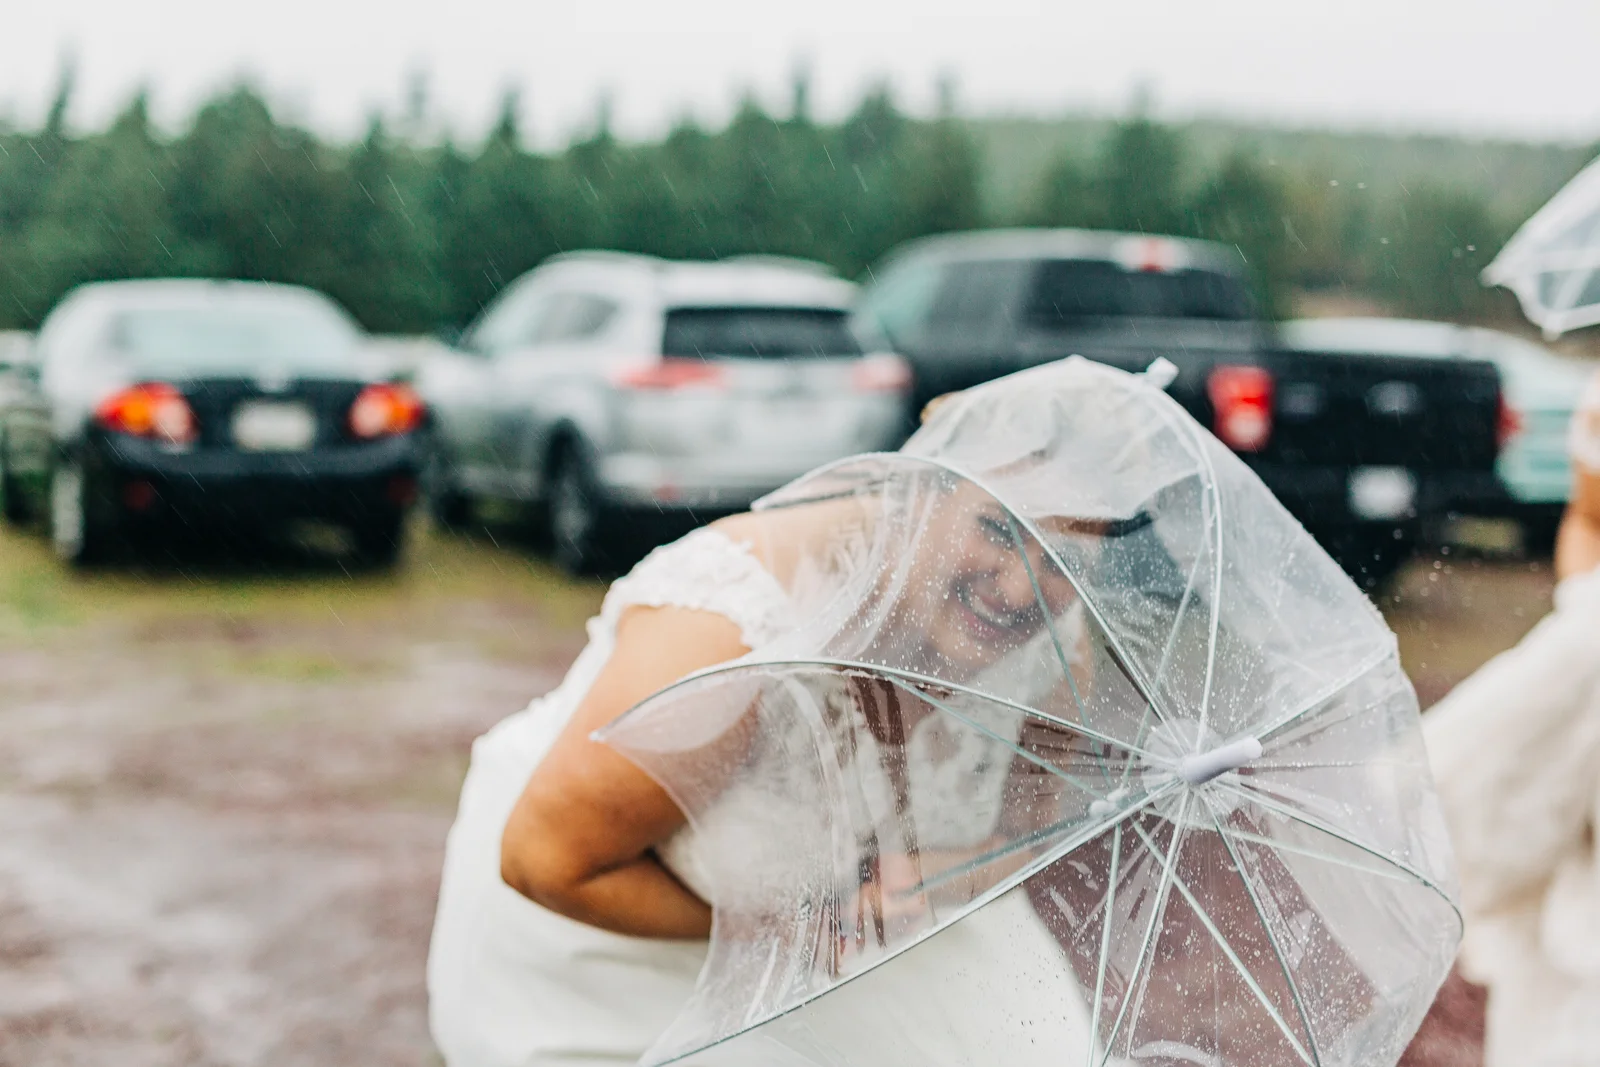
pixel 759 333
pixel 1068 290
pixel 246 337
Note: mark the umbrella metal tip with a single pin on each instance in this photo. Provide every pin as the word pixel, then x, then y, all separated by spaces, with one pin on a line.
pixel 1202 767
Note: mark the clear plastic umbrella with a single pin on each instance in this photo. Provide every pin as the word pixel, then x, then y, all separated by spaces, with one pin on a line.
pixel 1081 752
pixel 1552 263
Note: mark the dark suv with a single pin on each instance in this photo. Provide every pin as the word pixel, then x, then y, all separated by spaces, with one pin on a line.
pixel 1365 449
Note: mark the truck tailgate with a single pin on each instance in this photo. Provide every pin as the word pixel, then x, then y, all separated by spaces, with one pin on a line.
pixel 1422 413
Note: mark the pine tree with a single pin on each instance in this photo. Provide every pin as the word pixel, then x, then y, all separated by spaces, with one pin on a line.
pixel 1243 206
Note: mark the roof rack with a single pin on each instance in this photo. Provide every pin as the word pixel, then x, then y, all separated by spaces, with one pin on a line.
pixel 794 263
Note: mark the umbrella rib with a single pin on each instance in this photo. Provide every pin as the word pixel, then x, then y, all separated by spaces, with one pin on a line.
pixel 1156 912
pixel 1055 639
pixel 940 683
pixel 1254 796
pixel 1567 298
pixel 1376 871
pixel 1105 943
pixel 1177 617
pixel 1216 591
pixel 1044 613
pixel 1328 692
pixel 1233 958
pixel 1314 765
pixel 1192 429
pixel 1011 848
pixel 1272 939
pixel 1166 652
pixel 1016 748
pixel 744 664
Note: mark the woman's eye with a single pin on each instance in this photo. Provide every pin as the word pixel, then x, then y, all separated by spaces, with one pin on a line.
pixel 996 531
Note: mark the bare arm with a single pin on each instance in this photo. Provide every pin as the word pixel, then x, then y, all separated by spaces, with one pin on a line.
pixel 1578 544
pixel 579 840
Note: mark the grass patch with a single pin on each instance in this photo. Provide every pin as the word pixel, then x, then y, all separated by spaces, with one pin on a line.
pixel 39 595
pixel 31 599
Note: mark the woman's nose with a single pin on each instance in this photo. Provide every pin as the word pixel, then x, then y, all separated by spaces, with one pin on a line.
pixel 1015 585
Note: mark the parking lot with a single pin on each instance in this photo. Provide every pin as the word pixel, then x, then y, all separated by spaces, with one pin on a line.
pixel 226 785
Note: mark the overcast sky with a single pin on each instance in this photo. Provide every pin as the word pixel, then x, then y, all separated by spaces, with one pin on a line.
pixel 1524 68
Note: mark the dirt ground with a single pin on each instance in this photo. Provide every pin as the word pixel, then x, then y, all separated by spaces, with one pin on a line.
pixel 224 790
pixel 224 793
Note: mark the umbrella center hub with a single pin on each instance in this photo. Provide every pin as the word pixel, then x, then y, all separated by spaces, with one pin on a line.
pixel 1198 754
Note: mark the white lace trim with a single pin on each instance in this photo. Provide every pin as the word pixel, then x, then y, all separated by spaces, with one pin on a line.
pixel 706 571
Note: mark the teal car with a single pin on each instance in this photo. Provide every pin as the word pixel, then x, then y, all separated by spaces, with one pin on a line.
pixel 1541 390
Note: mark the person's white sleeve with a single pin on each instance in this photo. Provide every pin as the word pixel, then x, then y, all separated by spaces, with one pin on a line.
pixel 1515 751
pixel 705 571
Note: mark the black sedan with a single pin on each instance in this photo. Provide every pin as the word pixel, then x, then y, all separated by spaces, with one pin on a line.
pixel 227 407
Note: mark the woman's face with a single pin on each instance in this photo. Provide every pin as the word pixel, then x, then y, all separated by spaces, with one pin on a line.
pixel 979 589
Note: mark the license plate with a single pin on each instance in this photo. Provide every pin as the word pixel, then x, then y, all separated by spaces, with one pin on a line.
pixel 1382 492
pixel 274 427
pixel 788 419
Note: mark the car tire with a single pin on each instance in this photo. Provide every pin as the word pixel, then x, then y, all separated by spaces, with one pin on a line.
pixel 575 515
pixel 380 540
pixel 447 505
pixel 13 507
pixel 83 523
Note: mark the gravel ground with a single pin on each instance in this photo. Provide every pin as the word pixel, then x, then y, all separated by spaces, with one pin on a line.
pixel 224 789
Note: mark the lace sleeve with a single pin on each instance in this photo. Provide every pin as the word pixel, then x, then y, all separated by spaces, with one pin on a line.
pixel 707 571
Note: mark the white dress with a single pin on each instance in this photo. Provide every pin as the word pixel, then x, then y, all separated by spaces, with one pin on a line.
pixel 509 982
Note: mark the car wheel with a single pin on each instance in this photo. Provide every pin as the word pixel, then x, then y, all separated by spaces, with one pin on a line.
pixel 82 525
pixel 448 506
pixel 575 516
pixel 380 539
pixel 13 507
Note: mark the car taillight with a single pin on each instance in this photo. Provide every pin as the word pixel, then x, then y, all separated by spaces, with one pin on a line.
pixel 882 372
pixel 669 372
pixel 1508 424
pixel 1241 400
pixel 154 410
pixel 385 409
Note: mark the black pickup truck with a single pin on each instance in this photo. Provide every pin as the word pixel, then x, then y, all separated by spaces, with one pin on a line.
pixel 1366 450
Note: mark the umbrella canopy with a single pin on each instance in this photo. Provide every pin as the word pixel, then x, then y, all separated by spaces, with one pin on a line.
pixel 1080 752
pixel 1553 262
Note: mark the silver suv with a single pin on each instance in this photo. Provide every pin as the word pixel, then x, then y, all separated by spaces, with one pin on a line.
pixel 603 389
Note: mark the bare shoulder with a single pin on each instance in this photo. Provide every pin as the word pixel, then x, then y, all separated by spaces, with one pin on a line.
pixel 745 526
pixel 781 537
pixel 661 644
